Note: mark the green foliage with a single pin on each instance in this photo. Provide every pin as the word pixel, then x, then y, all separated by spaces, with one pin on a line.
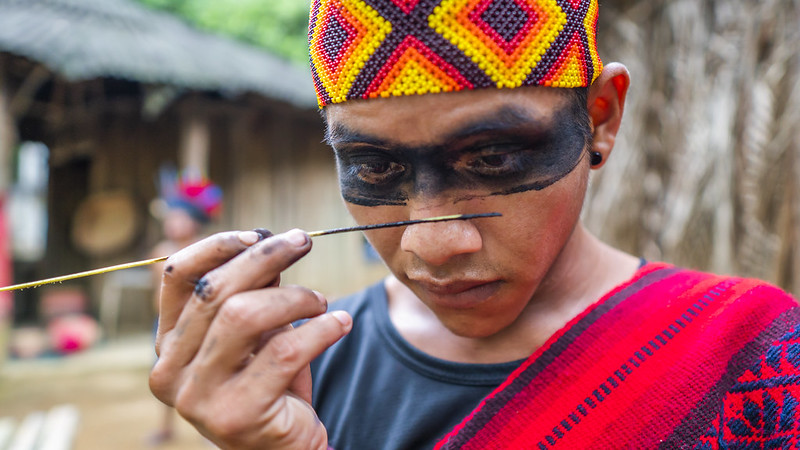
pixel 277 25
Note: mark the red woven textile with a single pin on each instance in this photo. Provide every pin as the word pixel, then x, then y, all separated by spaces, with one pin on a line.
pixel 650 365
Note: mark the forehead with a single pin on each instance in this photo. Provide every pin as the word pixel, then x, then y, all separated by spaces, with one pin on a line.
pixel 425 119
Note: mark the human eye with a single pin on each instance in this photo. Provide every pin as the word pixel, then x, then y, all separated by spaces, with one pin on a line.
pixel 378 172
pixel 370 167
pixel 496 161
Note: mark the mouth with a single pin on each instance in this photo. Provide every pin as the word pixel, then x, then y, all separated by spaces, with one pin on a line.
pixel 459 294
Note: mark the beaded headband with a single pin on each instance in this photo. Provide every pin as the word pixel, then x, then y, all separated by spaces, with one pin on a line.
pixel 381 48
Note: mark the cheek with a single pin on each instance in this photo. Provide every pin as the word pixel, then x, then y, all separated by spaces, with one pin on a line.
pixel 539 223
pixel 564 206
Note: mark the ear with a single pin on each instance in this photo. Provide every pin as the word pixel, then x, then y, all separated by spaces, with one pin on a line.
pixel 606 103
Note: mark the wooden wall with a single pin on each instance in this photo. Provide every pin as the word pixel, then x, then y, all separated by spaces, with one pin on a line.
pixel 268 157
pixel 281 176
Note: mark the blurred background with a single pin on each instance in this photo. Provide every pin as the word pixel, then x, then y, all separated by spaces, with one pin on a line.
pixel 97 95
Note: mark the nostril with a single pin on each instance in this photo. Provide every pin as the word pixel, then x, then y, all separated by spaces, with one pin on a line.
pixel 437 243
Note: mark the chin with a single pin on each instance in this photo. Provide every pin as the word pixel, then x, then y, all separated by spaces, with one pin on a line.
pixel 474 326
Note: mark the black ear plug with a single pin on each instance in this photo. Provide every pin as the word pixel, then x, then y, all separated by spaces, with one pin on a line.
pixel 597 158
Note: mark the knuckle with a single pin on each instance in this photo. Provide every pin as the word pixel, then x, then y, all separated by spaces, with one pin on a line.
pixel 238 313
pixel 286 350
pixel 160 382
pixel 210 288
pixel 282 428
pixel 186 403
pixel 183 408
pixel 228 427
pixel 205 288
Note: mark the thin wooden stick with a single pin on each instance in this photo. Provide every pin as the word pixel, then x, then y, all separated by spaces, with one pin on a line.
pixel 146 262
pixel 403 223
pixel 87 273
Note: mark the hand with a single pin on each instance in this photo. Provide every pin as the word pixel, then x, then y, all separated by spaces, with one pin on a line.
pixel 229 360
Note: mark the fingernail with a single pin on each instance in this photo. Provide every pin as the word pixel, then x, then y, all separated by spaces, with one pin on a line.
pixel 263 233
pixel 296 237
pixel 321 298
pixel 249 237
pixel 343 318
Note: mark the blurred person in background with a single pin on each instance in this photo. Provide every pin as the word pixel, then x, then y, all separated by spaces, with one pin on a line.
pixel 523 331
pixel 188 202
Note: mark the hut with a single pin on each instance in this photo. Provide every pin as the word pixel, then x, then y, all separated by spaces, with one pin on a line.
pixel 113 90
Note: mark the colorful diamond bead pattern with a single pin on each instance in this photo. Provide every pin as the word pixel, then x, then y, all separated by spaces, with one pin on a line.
pixel 380 48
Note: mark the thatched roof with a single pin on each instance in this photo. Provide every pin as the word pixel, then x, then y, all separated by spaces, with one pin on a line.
pixel 87 39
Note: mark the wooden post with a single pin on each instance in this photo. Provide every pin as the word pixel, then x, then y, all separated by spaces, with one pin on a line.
pixel 8 128
pixel 195 144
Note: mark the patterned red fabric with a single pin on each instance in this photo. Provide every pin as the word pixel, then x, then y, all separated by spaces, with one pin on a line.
pixel 650 365
pixel 762 410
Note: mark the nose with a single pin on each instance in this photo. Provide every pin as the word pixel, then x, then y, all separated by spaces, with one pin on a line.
pixel 436 243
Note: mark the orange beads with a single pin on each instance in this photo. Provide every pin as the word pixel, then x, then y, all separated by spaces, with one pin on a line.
pixel 380 48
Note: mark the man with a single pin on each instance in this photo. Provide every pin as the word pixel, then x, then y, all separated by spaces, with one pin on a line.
pixel 522 331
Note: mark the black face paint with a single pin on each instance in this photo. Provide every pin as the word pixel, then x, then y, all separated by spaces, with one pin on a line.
pixel 505 154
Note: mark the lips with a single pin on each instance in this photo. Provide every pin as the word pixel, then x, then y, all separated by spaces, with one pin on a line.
pixel 458 294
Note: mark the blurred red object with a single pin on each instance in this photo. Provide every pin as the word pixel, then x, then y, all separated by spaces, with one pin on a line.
pixel 72 333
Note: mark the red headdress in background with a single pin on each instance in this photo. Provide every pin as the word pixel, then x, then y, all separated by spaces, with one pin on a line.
pixel 191 192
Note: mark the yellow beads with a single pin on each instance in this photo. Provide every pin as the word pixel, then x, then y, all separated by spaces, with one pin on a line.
pixel 413 47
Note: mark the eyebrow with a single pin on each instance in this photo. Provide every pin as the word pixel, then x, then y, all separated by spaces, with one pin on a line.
pixel 340 134
pixel 507 117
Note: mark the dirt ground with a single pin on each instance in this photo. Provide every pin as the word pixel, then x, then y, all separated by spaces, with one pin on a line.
pixel 108 385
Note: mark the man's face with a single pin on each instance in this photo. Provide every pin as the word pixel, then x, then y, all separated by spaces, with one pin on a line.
pixel 519 152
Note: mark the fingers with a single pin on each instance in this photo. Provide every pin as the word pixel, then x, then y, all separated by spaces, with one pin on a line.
pixel 183 269
pixel 227 342
pixel 239 327
pixel 253 269
pixel 289 352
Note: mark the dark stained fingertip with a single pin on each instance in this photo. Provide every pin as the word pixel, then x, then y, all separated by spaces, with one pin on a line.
pixel 263 233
